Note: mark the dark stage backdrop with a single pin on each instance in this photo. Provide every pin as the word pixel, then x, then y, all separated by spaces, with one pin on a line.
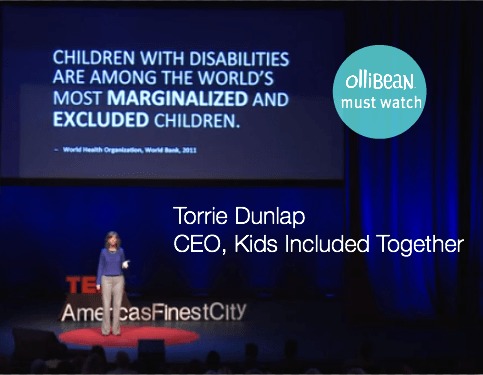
pixel 429 179
pixel 426 181
pixel 48 233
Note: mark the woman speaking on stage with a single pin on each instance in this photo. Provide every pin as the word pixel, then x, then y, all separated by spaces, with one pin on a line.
pixel 110 281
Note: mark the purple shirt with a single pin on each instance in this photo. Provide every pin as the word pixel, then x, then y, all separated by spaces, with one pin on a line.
pixel 110 263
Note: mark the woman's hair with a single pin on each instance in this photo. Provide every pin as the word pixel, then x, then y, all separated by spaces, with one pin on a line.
pixel 110 235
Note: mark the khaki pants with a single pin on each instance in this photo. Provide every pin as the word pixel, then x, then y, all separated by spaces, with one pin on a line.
pixel 112 290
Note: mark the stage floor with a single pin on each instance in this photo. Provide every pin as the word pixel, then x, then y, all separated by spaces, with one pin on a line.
pixel 321 328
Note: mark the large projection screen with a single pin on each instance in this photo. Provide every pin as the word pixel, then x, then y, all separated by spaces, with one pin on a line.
pixel 170 92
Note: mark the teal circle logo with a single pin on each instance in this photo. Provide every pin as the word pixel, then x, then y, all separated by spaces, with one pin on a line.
pixel 379 91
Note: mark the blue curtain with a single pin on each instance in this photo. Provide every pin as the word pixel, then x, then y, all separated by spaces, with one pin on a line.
pixel 428 181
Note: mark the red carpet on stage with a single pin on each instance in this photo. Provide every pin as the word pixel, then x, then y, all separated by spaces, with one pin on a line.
pixel 129 336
